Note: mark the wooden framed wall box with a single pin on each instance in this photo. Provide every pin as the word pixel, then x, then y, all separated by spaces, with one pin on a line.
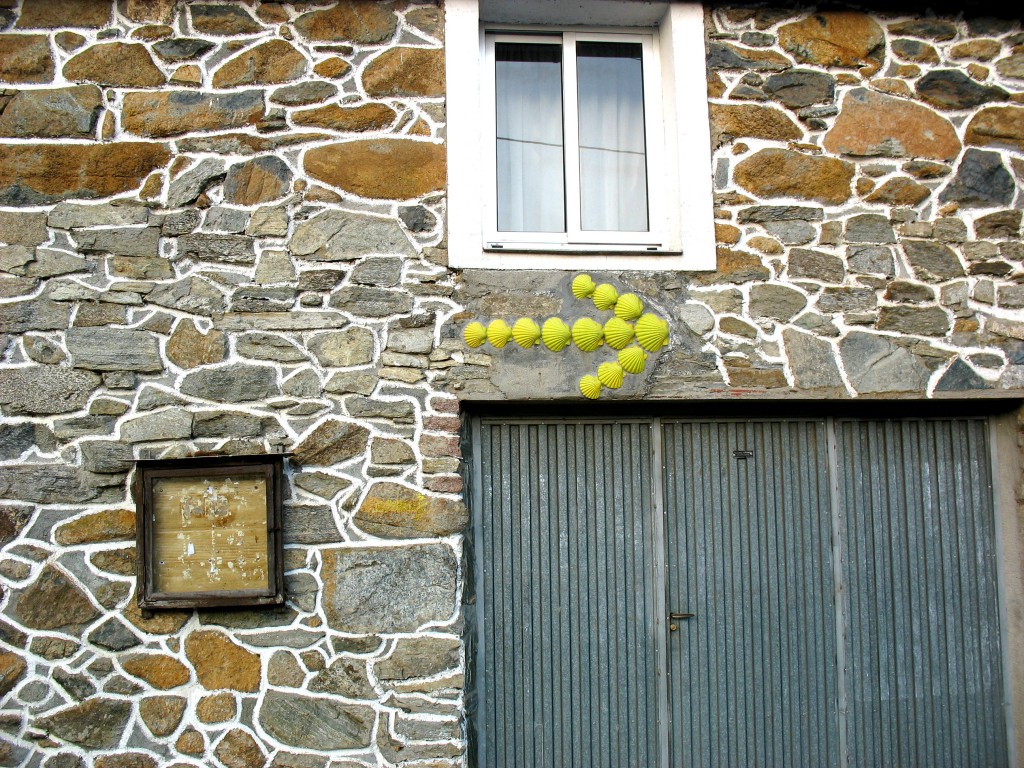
pixel 209 531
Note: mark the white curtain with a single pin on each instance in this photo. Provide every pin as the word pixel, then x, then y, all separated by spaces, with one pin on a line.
pixel 530 167
pixel 613 165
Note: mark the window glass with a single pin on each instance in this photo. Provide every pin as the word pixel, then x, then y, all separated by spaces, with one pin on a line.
pixel 530 154
pixel 613 162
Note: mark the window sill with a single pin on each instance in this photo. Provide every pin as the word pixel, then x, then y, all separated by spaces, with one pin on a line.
pixel 602 258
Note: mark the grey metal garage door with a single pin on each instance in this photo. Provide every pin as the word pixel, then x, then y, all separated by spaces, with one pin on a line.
pixel 840 574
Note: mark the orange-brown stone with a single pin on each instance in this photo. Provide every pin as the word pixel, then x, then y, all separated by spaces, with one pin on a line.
pixel 727 234
pixel 155 11
pixel 835 39
pixel 997 126
pixel 123 65
pixel 734 267
pixel 54 14
pixel 357 21
pixel 191 742
pixel 12 669
pixel 365 117
pixel 172 113
pixel 162 714
pixel 109 525
pixel 218 708
pixel 332 68
pixel 189 348
pixel 275 61
pixel 406 72
pixel 899 191
pixel 155 622
pixel 784 173
pixel 238 749
pixel 219 663
pixel 380 168
pixel 750 121
pixel 873 124
pixel 394 511
pixel 126 760
pixel 47 173
pixel 25 59
pixel 160 671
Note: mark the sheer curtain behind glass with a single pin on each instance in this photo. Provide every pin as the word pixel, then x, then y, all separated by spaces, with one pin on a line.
pixel 613 162
pixel 530 156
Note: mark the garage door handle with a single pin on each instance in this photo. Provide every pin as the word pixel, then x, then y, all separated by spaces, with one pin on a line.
pixel 681 615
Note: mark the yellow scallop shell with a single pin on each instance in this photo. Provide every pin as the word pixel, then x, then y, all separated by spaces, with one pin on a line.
pixel 632 359
pixel 556 334
pixel 590 386
pixel 610 374
pixel 475 334
pixel 605 296
pixel 498 333
pixel 629 306
pixel 587 334
pixel 618 333
pixel 583 286
pixel 651 332
pixel 526 332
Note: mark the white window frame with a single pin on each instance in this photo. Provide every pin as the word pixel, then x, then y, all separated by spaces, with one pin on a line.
pixel 680 203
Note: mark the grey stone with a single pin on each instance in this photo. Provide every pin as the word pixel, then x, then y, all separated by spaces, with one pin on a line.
pixel 53 602
pixel 52 113
pixel 310 92
pixel 304 384
pixel 869 228
pixel 921 321
pixel 696 317
pixel 45 389
pixel 932 261
pixel 411 340
pixel 114 635
pixel 366 301
pixel 13 287
pixel 114 349
pixel 776 301
pixel 41 350
pixel 270 221
pixel 15 439
pixel 230 220
pixel 259 299
pixel 321 484
pixel 398 412
pixel 954 89
pixel 193 295
pixel 846 299
pixel 999 225
pixel 812 361
pixel 906 291
pixel 950 229
pixel 320 279
pixel 75 215
pixel 79 426
pixel 269 346
pixel 981 181
pixel 280 321
pixel 815 265
pixel 791 232
pixel 180 223
pixel 226 249
pixel 349 347
pixel 226 424
pixel 64 760
pixel 182 48
pixel 316 722
pixel 383 590
pixel 344 382
pixel 419 657
pixel 870 260
pixel 721 56
pixel 168 424
pixel 243 618
pixel 960 377
pixel 384 271
pixel 94 724
pixel 310 524
pixel 417 218
pixel 234 383
pixel 22 228
pixel 16 259
pixel 284 671
pixel 188 186
pixel 800 87
pixel 50 263
pixel 874 365
pixel 34 315
pixel 343 236
pixel 285 638
pixel 124 241
pixel 79 686
pixel 761 214
pixel 344 677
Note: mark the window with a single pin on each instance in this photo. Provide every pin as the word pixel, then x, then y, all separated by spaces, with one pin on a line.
pixel 578 147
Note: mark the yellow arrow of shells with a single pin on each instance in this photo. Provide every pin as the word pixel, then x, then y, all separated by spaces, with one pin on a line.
pixel 649 331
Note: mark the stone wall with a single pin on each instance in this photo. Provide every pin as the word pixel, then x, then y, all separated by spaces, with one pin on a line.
pixel 221 230
pixel 867 175
pixel 209 243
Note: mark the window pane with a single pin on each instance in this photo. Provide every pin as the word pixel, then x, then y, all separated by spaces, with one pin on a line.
pixel 530 172
pixel 613 161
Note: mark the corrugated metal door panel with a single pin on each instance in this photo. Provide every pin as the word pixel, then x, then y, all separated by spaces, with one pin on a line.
pixel 566 643
pixel 752 678
pixel 924 665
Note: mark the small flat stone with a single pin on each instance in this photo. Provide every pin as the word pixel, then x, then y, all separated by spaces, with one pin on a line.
pixel 189 348
pixel 238 749
pixel 25 59
pixel 316 722
pixel 234 383
pixel 182 49
pixel 173 113
pixel 42 14
pixel 801 88
pixel 952 89
pixel 815 265
pixel 835 39
pixel 915 50
pixel 97 723
pixel 220 663
pixel 932 261
pixel 404 72
pixel 726 56
pixel 52 113
pixel 365 117
pixel 275 61
pixel 331 442
pixel 300 94
pixel 960 377
pixel 105 526
pixel 981 181
pixel 114 349
pixel 380 168
pixel 899 191
pixel 874 364
pixel 223 20
pixel 997 127
pixel 391 511
pixel 776 301
pixel 260 180
pixel 921 321
pixel 416 657
pixel 355 21
pixel 784 173
pixel 120 65
pixel 54 602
